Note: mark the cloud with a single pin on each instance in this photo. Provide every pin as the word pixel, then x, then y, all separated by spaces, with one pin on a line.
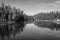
pixel 57 1
pixel 35 6
pixel 55 5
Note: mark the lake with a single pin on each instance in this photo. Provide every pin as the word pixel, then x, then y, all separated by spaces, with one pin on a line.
pixel 32 31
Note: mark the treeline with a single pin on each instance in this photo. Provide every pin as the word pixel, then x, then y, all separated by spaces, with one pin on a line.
pixel 47 16
pixel 11 21
pixel 8 13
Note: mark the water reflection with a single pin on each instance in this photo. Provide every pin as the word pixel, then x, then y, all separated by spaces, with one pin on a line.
pixel 50 25
pixel 9 29
pixel 31 29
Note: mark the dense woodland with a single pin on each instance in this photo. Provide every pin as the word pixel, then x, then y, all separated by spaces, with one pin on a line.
pixel 8 13
pixel 11 21
pixel 48 16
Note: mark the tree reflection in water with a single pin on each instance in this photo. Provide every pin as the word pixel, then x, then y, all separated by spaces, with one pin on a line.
pixel 50 25
pixel 9 29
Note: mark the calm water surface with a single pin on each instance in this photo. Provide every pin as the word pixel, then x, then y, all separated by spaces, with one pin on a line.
pixel 33 32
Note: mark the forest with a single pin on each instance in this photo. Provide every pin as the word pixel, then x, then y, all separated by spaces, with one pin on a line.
pixel 48 16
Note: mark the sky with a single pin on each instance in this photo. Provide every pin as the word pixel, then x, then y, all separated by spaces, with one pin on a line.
pixel 31 7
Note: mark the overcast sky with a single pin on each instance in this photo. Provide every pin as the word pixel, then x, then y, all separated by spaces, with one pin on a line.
pixel 31 7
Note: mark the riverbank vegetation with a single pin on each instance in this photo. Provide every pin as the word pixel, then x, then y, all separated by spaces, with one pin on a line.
pixel 11 21
pixel 49 20
pixel 48 16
